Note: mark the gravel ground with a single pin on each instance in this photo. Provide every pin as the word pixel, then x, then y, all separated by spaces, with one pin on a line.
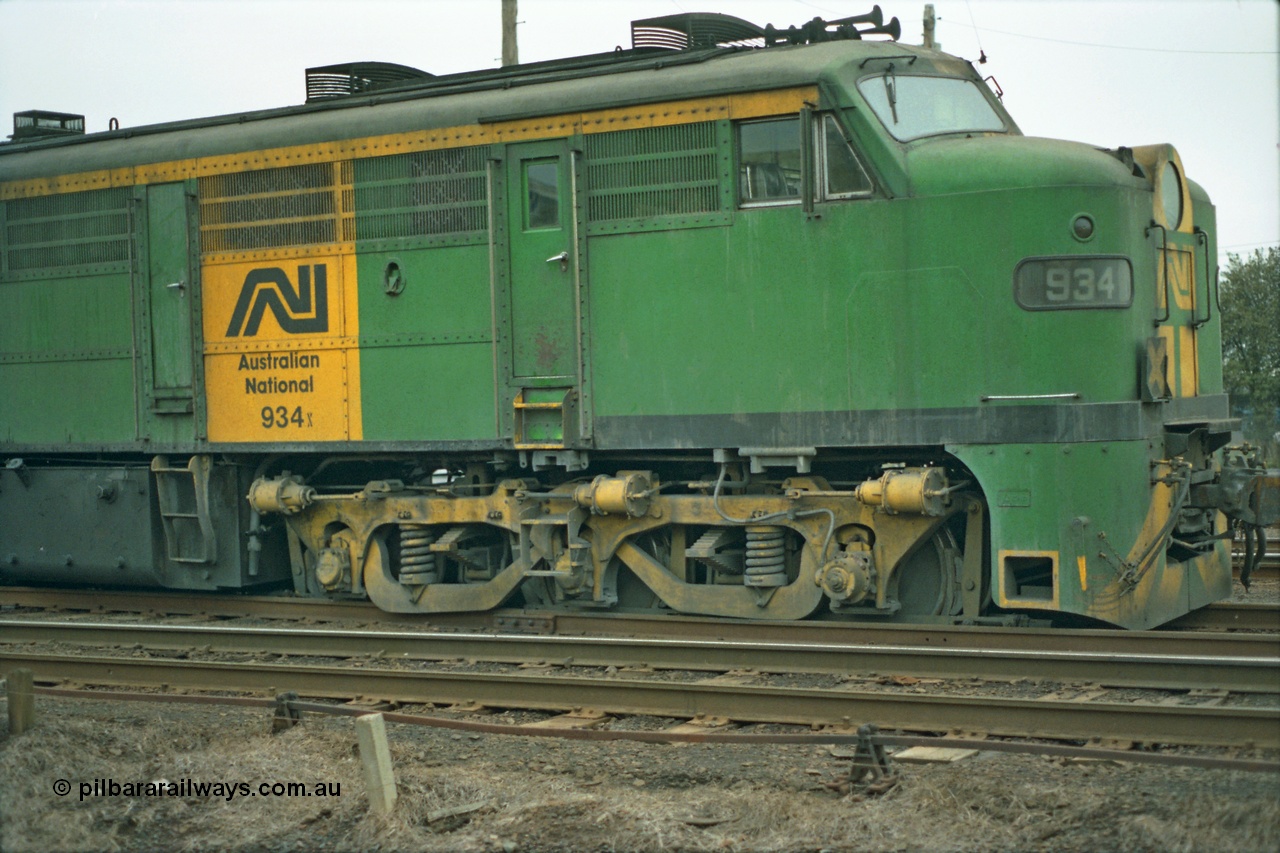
pixel 1263 589
pixel 460 791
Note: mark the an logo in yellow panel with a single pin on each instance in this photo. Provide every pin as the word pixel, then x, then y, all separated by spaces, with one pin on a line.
pixel 296 310
pixel 280 357
pixel 1181 277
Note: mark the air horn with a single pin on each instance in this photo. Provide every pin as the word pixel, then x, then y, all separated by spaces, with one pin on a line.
pixel 845 28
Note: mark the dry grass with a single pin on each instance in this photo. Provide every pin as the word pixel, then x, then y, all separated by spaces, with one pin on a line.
pixel 526 794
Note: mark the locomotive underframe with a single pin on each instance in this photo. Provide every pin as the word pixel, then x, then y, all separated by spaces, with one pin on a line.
pixel 905 546
pixel 413 552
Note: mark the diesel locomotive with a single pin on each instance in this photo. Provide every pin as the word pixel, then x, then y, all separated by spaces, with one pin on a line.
pixel 744 322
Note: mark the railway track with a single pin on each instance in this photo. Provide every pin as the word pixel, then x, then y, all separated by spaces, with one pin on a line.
pixel 738 698
pixel 1223 616
pixel 629 664
pixel 1268 569
pixel 1240 663
pixel 815 673
pixel 1232 616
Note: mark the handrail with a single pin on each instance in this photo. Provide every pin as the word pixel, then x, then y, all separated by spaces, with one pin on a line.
pixel 1202 237
pixel 1164 265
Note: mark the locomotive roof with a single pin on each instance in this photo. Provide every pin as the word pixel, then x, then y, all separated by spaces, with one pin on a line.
pixel 586 83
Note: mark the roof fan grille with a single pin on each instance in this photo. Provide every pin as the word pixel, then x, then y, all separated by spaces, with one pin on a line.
pixel 695 29
pixel 351 78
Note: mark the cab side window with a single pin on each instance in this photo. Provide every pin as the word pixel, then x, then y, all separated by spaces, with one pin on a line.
pixel 769 162
pixel 842 174
pixel 772 162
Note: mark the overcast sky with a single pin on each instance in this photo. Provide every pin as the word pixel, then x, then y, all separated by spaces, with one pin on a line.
pixel 1201 74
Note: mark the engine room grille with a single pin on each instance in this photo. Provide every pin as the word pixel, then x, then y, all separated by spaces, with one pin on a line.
pixel 423 194
pixel 54 232
pixel 655 171
pixel 277 208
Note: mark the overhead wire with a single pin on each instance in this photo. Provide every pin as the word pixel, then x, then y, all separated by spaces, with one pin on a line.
pixel 1125 47
pixel 973 23
pixel 1251 245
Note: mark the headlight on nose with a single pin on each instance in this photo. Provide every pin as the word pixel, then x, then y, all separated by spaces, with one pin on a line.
pixel 1169 189
pixel 1171 202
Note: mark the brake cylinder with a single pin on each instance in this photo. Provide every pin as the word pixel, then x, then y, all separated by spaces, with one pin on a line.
pixel 918 491
pixel 286 495
pixel 627 494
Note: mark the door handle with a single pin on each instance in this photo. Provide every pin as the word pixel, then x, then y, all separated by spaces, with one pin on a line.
pixel 563 258
pixel 180 286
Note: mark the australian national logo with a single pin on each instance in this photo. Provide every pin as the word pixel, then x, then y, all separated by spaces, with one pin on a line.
pixel 298 310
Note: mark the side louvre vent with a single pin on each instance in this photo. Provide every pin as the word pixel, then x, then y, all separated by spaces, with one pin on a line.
pixel 427 194
pixel 49 234
pixel 275 208
pixel 653 172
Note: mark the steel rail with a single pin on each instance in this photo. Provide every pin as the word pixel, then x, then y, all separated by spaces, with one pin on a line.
pixel 1232 615
pixel 1240 673
pixel 561 623
pixel 824 736
pixel 204 603
pixel 949 636
pixel 1217 725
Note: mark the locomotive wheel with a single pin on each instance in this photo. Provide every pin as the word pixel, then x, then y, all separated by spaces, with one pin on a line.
pixel 633 593
pixel 538 592
pixel 927 583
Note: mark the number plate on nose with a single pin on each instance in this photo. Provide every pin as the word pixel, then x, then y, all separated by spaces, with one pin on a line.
pixel 1073 282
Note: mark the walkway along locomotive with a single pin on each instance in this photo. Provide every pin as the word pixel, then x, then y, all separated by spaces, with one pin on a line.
pixel 746 322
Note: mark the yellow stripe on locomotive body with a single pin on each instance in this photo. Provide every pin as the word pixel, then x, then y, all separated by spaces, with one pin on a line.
pixel 664 114
pixel 1177 282
pixel 271 376
pixel 282 361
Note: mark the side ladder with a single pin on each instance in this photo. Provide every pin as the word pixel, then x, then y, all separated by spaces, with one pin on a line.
pixel 544 418
pixel 183 495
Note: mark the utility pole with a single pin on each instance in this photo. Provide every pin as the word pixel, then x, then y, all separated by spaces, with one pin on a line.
pixel 510 53
pixel 929 23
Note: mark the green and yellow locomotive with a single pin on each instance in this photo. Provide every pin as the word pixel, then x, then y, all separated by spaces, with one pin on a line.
pixel 738 322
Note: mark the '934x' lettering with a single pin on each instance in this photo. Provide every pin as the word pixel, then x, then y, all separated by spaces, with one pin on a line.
pixel 281 418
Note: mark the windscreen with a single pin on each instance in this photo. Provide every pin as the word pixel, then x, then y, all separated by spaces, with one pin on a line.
pixel 911 107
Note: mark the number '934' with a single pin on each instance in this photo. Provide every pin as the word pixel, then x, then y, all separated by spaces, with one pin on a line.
pixel 1076 282
pixel 283 417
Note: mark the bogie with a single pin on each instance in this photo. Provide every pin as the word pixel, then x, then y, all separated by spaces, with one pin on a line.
pixel 771 549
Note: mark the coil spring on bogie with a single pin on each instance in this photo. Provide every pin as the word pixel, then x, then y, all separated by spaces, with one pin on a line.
pixel 417 561
pixel 766 556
